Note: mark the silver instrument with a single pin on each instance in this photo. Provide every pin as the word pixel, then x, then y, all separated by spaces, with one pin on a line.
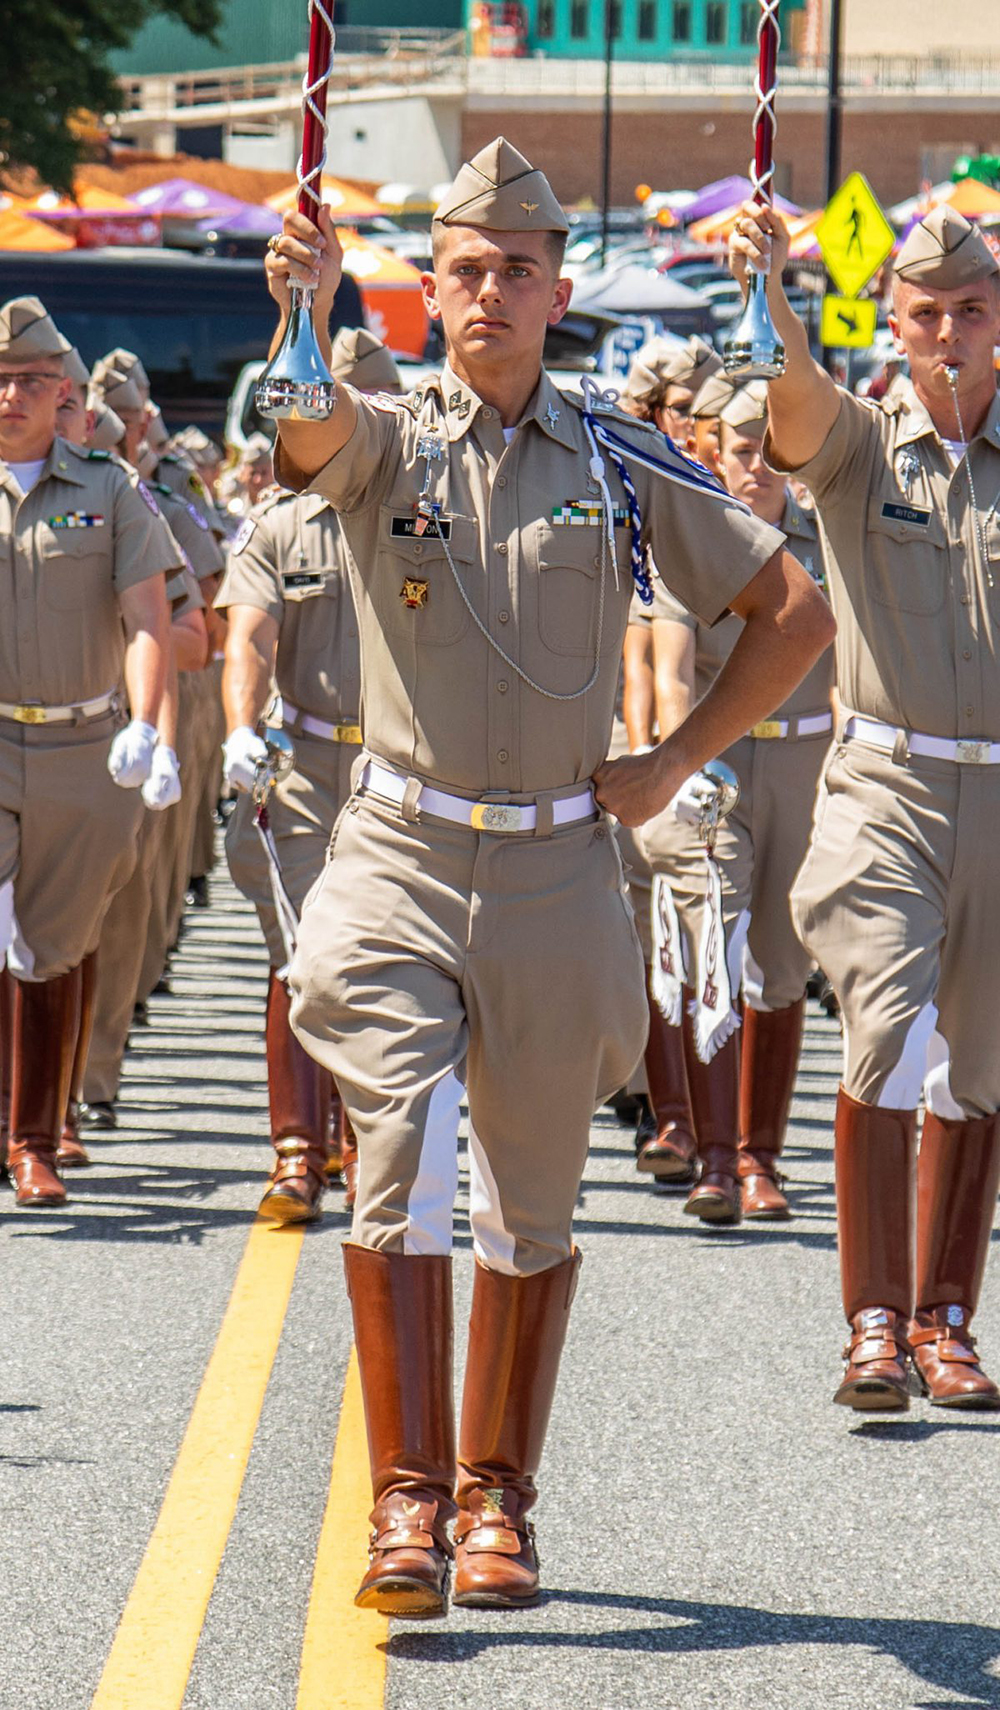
pixel 279 763
pixel 717 807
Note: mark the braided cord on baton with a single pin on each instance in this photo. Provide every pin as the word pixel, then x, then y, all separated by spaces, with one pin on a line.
pixel 312 160
pixel 765 123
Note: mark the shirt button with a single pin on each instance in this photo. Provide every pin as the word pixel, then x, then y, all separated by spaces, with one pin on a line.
pixel 502 754
pixel 969 711
pixel 504 617
pixel 964 600
pixel 501 480
pixel 502 687
pixel 487 414
pixel 417 546
pixel 966 653
pixel 502 548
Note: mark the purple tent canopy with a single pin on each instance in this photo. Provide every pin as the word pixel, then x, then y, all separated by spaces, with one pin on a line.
pixel 248 221
pixel 183 199
pixel 725 193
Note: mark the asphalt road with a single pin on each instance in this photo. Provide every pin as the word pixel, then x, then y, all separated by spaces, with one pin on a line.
pixel 713 1532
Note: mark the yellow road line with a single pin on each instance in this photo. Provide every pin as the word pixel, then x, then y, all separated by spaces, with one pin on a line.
pixel 154 1647
pixel 343 1651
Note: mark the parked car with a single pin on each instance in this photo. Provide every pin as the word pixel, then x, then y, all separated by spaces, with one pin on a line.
pixel 194 320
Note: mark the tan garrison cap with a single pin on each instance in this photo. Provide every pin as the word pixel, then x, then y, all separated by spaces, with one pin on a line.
pixel 257 447
pixel 125 362
pixel 502 192
pixel 747 408
pixel 109 429
pixel 118 390
pixel 662 362
pixel 198 446
pixel 28 331
pixel 157 436
pixel 944 250
pixel 358 356
pixel 712 397
pixel 75 368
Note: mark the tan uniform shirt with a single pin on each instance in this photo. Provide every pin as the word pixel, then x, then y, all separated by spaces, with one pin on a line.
pixel 290 560
pixel 199 546
pixel 448 707
pixel 88 530
pixel 714 644
pixel 184 593
pixel 918 621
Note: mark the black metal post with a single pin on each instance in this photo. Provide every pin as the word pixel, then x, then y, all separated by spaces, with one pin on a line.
pixel 834 122
pixel 606 140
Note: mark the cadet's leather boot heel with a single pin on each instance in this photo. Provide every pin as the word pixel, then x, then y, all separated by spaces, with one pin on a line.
pixel 299 1093
pixel 516 1333
pixel 46 1022
pixel 769 1058
pixel 958 1173
pixel 403 1330
pixel 668 1150
pixel 875 1158
pixel 714 1091
pixel 72 1154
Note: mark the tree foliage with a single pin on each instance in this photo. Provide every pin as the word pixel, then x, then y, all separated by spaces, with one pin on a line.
pixel 55 68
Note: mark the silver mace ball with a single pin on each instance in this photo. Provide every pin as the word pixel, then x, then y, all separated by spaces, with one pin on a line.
pixel 280 752
pixel 727 794
pixel 296 385
pixel 753 350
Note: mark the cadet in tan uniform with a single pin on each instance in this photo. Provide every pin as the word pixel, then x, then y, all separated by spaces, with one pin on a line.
pixel 663 381
pixel 83 551
pixel 291 620
pixel 895 898
pixel 472 918
pixel 741 1097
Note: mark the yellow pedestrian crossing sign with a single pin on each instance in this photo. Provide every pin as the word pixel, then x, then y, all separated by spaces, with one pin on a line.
pixel 854 235
pixel 848 321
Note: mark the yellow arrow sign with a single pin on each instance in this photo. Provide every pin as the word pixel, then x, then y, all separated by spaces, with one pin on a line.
pixel 854 235
pixel 848 321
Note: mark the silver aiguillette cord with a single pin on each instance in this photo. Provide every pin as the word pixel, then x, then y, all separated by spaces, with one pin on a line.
pixel 951 375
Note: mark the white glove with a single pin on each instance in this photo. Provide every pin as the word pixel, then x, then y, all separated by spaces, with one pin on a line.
pixel 131 754
pixel 242 752
pixel 163 786
pixel 691 800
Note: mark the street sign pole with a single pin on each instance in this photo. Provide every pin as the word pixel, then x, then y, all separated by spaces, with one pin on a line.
pixel 609 6
pixel 834 124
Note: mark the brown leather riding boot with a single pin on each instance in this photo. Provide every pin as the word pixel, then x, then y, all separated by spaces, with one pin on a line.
pixel 72 1154
pixel 958 1174
pixel 669 1150
pixel 46 1022
pixel 875 1162
pixel 403 1330
pixel 349 1163
pixel 714 1089
pixel 299 1093
pixel 769 1058
pixel 516 1332
pixel 6 1058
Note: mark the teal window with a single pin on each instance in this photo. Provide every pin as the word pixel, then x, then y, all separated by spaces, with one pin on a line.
pixel 681 31
pixel 615 7
pixel 579 20
pixel 749 15
pixel 545 25
pixel 715 22
pixel 647 20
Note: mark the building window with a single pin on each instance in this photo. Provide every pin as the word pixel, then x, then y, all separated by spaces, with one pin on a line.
pixel 681 31
pixel 616 19
pixel 545 25
pixel 647 20
pixel 749 14
pixel 579 22
pixel 715 22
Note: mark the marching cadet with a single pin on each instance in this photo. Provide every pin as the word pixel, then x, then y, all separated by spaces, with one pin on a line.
pixel 471 918
pixel 709 401
pixel 741 1096
pixel 894 898
pixel 84 552
pixel 663 380
pixel 291 621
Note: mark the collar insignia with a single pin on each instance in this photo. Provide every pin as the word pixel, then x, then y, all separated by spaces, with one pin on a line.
pixel 552 415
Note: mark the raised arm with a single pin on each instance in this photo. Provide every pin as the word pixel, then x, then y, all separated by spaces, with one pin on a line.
pixel 312 255
pixel 803 404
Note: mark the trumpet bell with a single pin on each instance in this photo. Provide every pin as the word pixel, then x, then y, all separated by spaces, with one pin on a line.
pixel 753 350
pixel 296 385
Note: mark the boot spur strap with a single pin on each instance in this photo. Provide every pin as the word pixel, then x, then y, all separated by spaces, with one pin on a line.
pixel 494 1534
pixel 946 1345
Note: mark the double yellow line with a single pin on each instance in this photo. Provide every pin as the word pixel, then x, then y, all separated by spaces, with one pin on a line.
pixel 343 1657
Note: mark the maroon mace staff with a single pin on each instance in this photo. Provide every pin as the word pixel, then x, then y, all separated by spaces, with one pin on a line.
pixel 297 385
pixel 753 350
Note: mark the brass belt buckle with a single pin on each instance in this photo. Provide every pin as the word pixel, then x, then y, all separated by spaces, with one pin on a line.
pixel 496 816
pixel 972 753
pixel 29 715
pixel 767 730
pixel 347 733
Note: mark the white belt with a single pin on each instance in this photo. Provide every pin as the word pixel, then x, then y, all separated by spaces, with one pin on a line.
pixel 481 816
pixel 345 732
pixel 968 751
pixel 770 728
pixel 30 713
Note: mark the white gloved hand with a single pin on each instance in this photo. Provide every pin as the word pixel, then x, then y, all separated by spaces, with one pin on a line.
pixel 163 786
pixel 242 752
pixel 691 800
pixel 131 754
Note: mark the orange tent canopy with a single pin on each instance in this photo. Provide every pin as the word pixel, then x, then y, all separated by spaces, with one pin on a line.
pixel 20 231
pixel 972 199
pixel 390 292
pixel 343 200
pixel 86 199
pixel 715 228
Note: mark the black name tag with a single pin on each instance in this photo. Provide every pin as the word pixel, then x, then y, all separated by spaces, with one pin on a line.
pixel 303 579
pixel 907 514
pixel 420 528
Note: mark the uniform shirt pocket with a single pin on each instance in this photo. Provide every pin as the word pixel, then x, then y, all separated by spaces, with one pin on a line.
pixel 74 566
pixel 908 566
pixel 414 589
pixel 568 560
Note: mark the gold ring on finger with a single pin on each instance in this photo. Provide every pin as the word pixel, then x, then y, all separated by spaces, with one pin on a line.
pixel 272 244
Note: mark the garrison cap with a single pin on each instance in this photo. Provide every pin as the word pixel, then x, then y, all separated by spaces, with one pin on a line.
pixel 501 192
pixel 75 368
pixel 944 250
pixel 27 331
pixel 257 447
pixel 712 396
pixel 109 429
pixel 119 390
pixel 157 436
pixel 125 362
pixel 663 362
pixel 747 408
pixel 358 356
pixel 199 446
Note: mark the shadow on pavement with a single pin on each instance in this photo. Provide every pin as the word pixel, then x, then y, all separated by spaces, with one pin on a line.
pixel 949 1656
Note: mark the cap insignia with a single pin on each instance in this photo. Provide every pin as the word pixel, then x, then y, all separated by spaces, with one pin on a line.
pixel 530 208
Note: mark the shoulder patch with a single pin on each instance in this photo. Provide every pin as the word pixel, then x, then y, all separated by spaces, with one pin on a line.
pixel 147 497
pixel 243 534
pixel 196 516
